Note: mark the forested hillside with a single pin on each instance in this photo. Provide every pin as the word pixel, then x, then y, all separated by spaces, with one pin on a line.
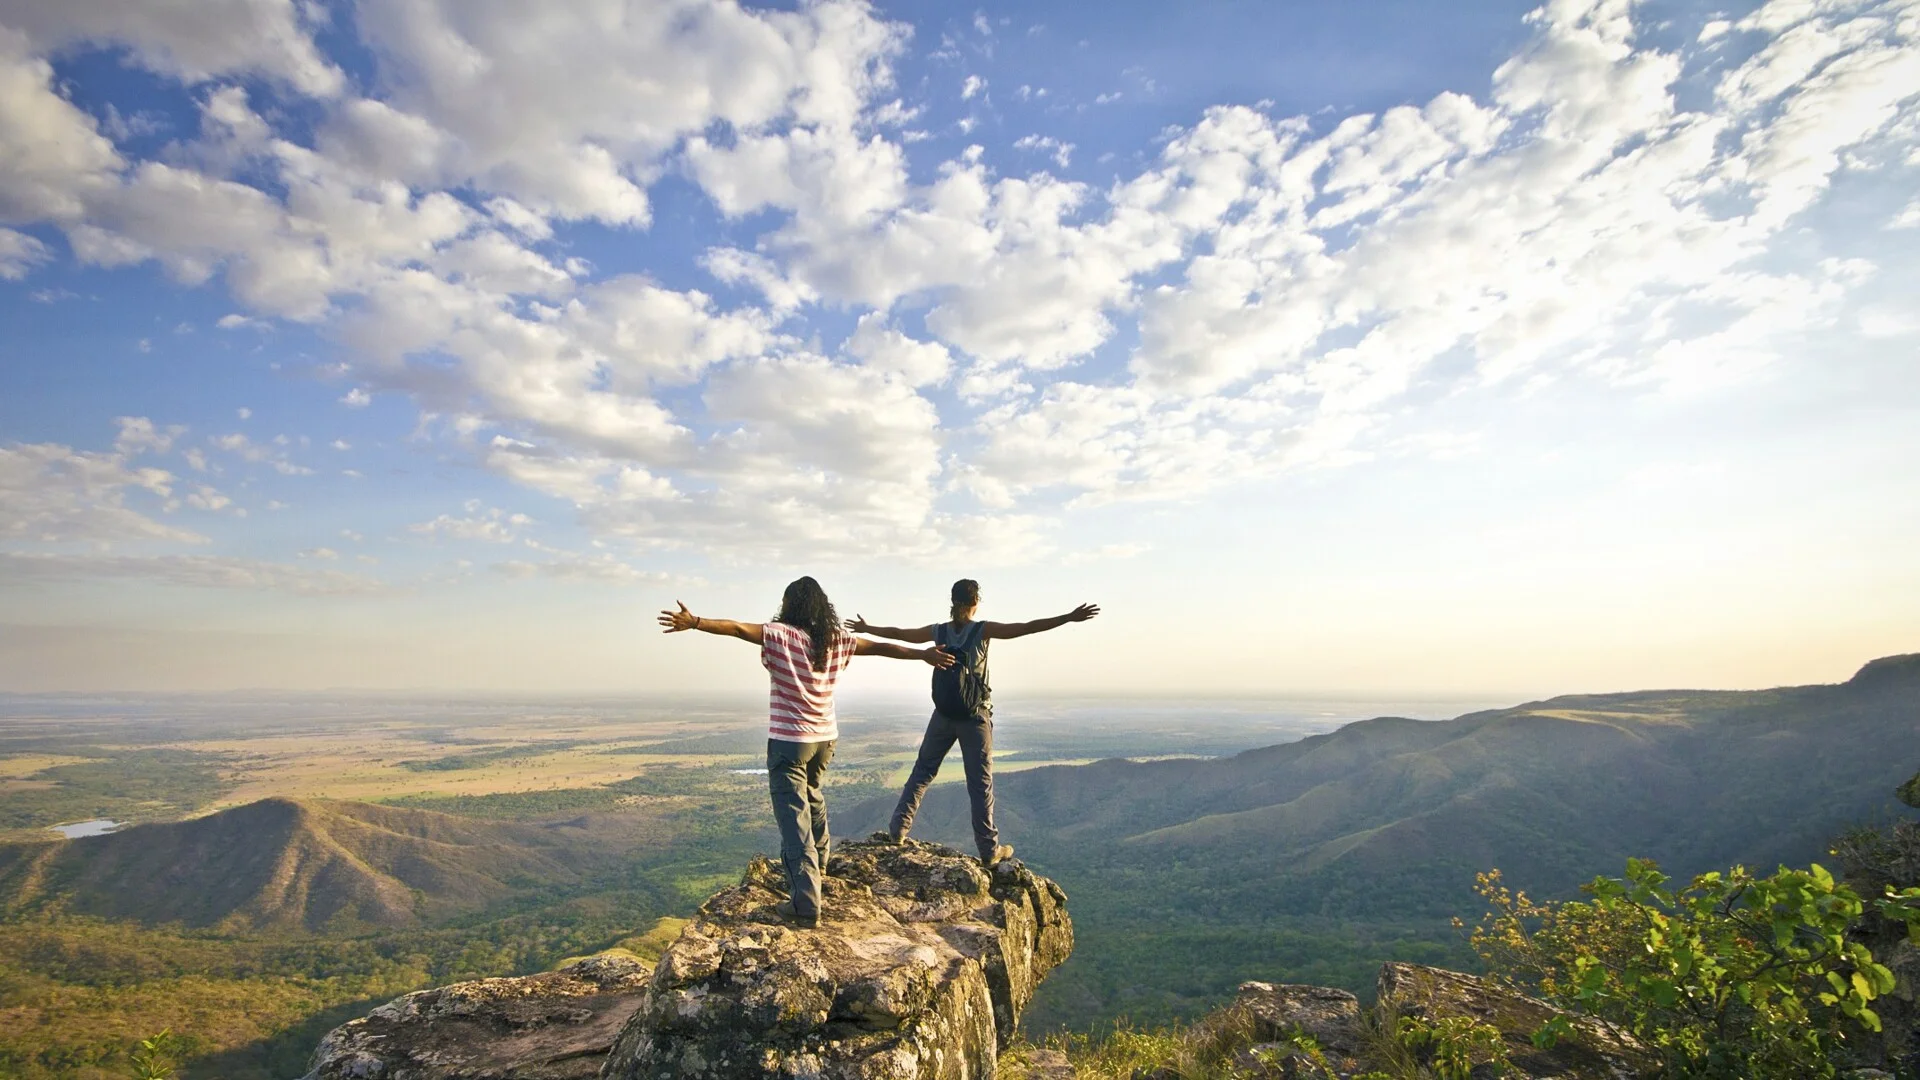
pixel 1317 860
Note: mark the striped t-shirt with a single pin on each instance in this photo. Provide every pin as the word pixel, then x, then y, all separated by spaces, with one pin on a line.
pixel 800 707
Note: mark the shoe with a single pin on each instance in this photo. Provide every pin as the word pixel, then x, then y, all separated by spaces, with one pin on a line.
pixel 1000 854
pixel 888 836
pixel 805 922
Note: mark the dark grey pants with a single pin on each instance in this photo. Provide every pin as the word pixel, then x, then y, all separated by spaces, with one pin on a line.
pixel 795 771
pixel 976 756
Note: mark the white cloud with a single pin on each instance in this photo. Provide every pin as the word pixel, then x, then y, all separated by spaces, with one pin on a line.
pixel 192 39
pixel 272 454
pixel 883 348
pixel 193 571
pixel 578 127
pixel 55 155
pixel 496 526
pixel 139 435
pixel 19 254
pixel 590 569
pixel 51 493
pixel 1262 294
pixel 1061 152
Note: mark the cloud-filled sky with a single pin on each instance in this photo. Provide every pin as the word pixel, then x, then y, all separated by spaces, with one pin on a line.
pixel 1377 347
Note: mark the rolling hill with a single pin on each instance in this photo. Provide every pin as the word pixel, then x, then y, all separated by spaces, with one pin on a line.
pixel 1371 835
pixel 289 865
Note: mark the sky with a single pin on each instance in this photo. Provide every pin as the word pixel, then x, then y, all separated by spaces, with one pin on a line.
pixel 1371 348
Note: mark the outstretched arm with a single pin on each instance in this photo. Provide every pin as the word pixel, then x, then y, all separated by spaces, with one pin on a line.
pixel 936 656
pixel 676 621
pixel 1004 630
pixel 860 625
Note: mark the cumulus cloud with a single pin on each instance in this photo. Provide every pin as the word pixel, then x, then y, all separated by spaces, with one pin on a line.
pixel 1262 293
pixel 192 39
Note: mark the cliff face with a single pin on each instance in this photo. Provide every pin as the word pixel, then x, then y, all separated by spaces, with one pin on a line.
pixel 921 967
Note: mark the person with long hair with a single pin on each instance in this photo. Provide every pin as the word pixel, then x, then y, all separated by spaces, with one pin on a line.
pixel 804 651
pixel 962 708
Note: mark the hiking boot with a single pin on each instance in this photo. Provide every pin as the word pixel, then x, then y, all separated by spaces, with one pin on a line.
pixel 805 922
pixel 887 836
pixel 1000 854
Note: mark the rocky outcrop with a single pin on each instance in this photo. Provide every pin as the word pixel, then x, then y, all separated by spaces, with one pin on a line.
pixel 554 1026
pixel 1875 861
pixel 920 968
pixel 1910 791
pixel 1592 1050
pixel 1283 1032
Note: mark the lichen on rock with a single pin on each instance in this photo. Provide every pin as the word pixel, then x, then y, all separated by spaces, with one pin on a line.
pixel 920 968
pixel 1591 1050
pixel 557 1025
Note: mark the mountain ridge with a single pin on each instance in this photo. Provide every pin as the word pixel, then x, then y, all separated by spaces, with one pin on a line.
pixel 285 864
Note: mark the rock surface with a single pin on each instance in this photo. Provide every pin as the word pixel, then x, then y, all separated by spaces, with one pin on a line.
pixel 1910 791
pixel 920 968
pixel 1258 1035
pixel 1331 1017
pixel 1594 1051
pixel 558 1025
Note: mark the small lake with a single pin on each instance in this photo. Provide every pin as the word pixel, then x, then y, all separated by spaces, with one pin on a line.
pixel 748 772
pixel 96 827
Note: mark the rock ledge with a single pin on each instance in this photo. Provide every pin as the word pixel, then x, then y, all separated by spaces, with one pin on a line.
pixel 921 967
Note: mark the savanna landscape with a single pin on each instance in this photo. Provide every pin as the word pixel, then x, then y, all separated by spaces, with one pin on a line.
pixel 285 866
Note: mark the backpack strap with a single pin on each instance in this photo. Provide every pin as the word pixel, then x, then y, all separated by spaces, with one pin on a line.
pixel 962 644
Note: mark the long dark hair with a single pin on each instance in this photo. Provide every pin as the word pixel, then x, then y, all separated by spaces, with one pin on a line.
pixel 806 606
pixel 966 594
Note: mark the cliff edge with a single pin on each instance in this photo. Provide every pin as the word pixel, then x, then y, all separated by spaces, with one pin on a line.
pixel 921 967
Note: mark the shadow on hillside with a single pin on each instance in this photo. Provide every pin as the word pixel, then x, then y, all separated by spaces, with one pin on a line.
pixel 284 1054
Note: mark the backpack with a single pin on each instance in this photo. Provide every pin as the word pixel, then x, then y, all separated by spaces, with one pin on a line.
pixel 961 692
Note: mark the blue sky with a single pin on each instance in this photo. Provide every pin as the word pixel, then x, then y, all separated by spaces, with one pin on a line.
pixel 1400 348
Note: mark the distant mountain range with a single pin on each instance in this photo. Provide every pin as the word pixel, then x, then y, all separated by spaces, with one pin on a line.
pixel 1381 825
pixel 285 864
pixel 1312 861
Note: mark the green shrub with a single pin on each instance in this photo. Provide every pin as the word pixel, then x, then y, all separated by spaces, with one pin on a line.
pixel 1730 975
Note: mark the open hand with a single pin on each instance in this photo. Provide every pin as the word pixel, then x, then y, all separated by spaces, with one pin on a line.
pixel 676 621
pixel 859 625
pixel 938 657
pixel 1083 613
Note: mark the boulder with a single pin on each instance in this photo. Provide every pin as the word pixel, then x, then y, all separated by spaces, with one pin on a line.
pixel 1593 1051
pixel 554 1026
pixel 1273 1013
pixel 920 968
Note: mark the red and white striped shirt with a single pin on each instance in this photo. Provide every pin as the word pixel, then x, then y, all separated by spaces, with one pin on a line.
pixel 800 707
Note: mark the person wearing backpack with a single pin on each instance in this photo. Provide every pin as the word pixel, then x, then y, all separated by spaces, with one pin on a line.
pixel 804 651
pixel 962 708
